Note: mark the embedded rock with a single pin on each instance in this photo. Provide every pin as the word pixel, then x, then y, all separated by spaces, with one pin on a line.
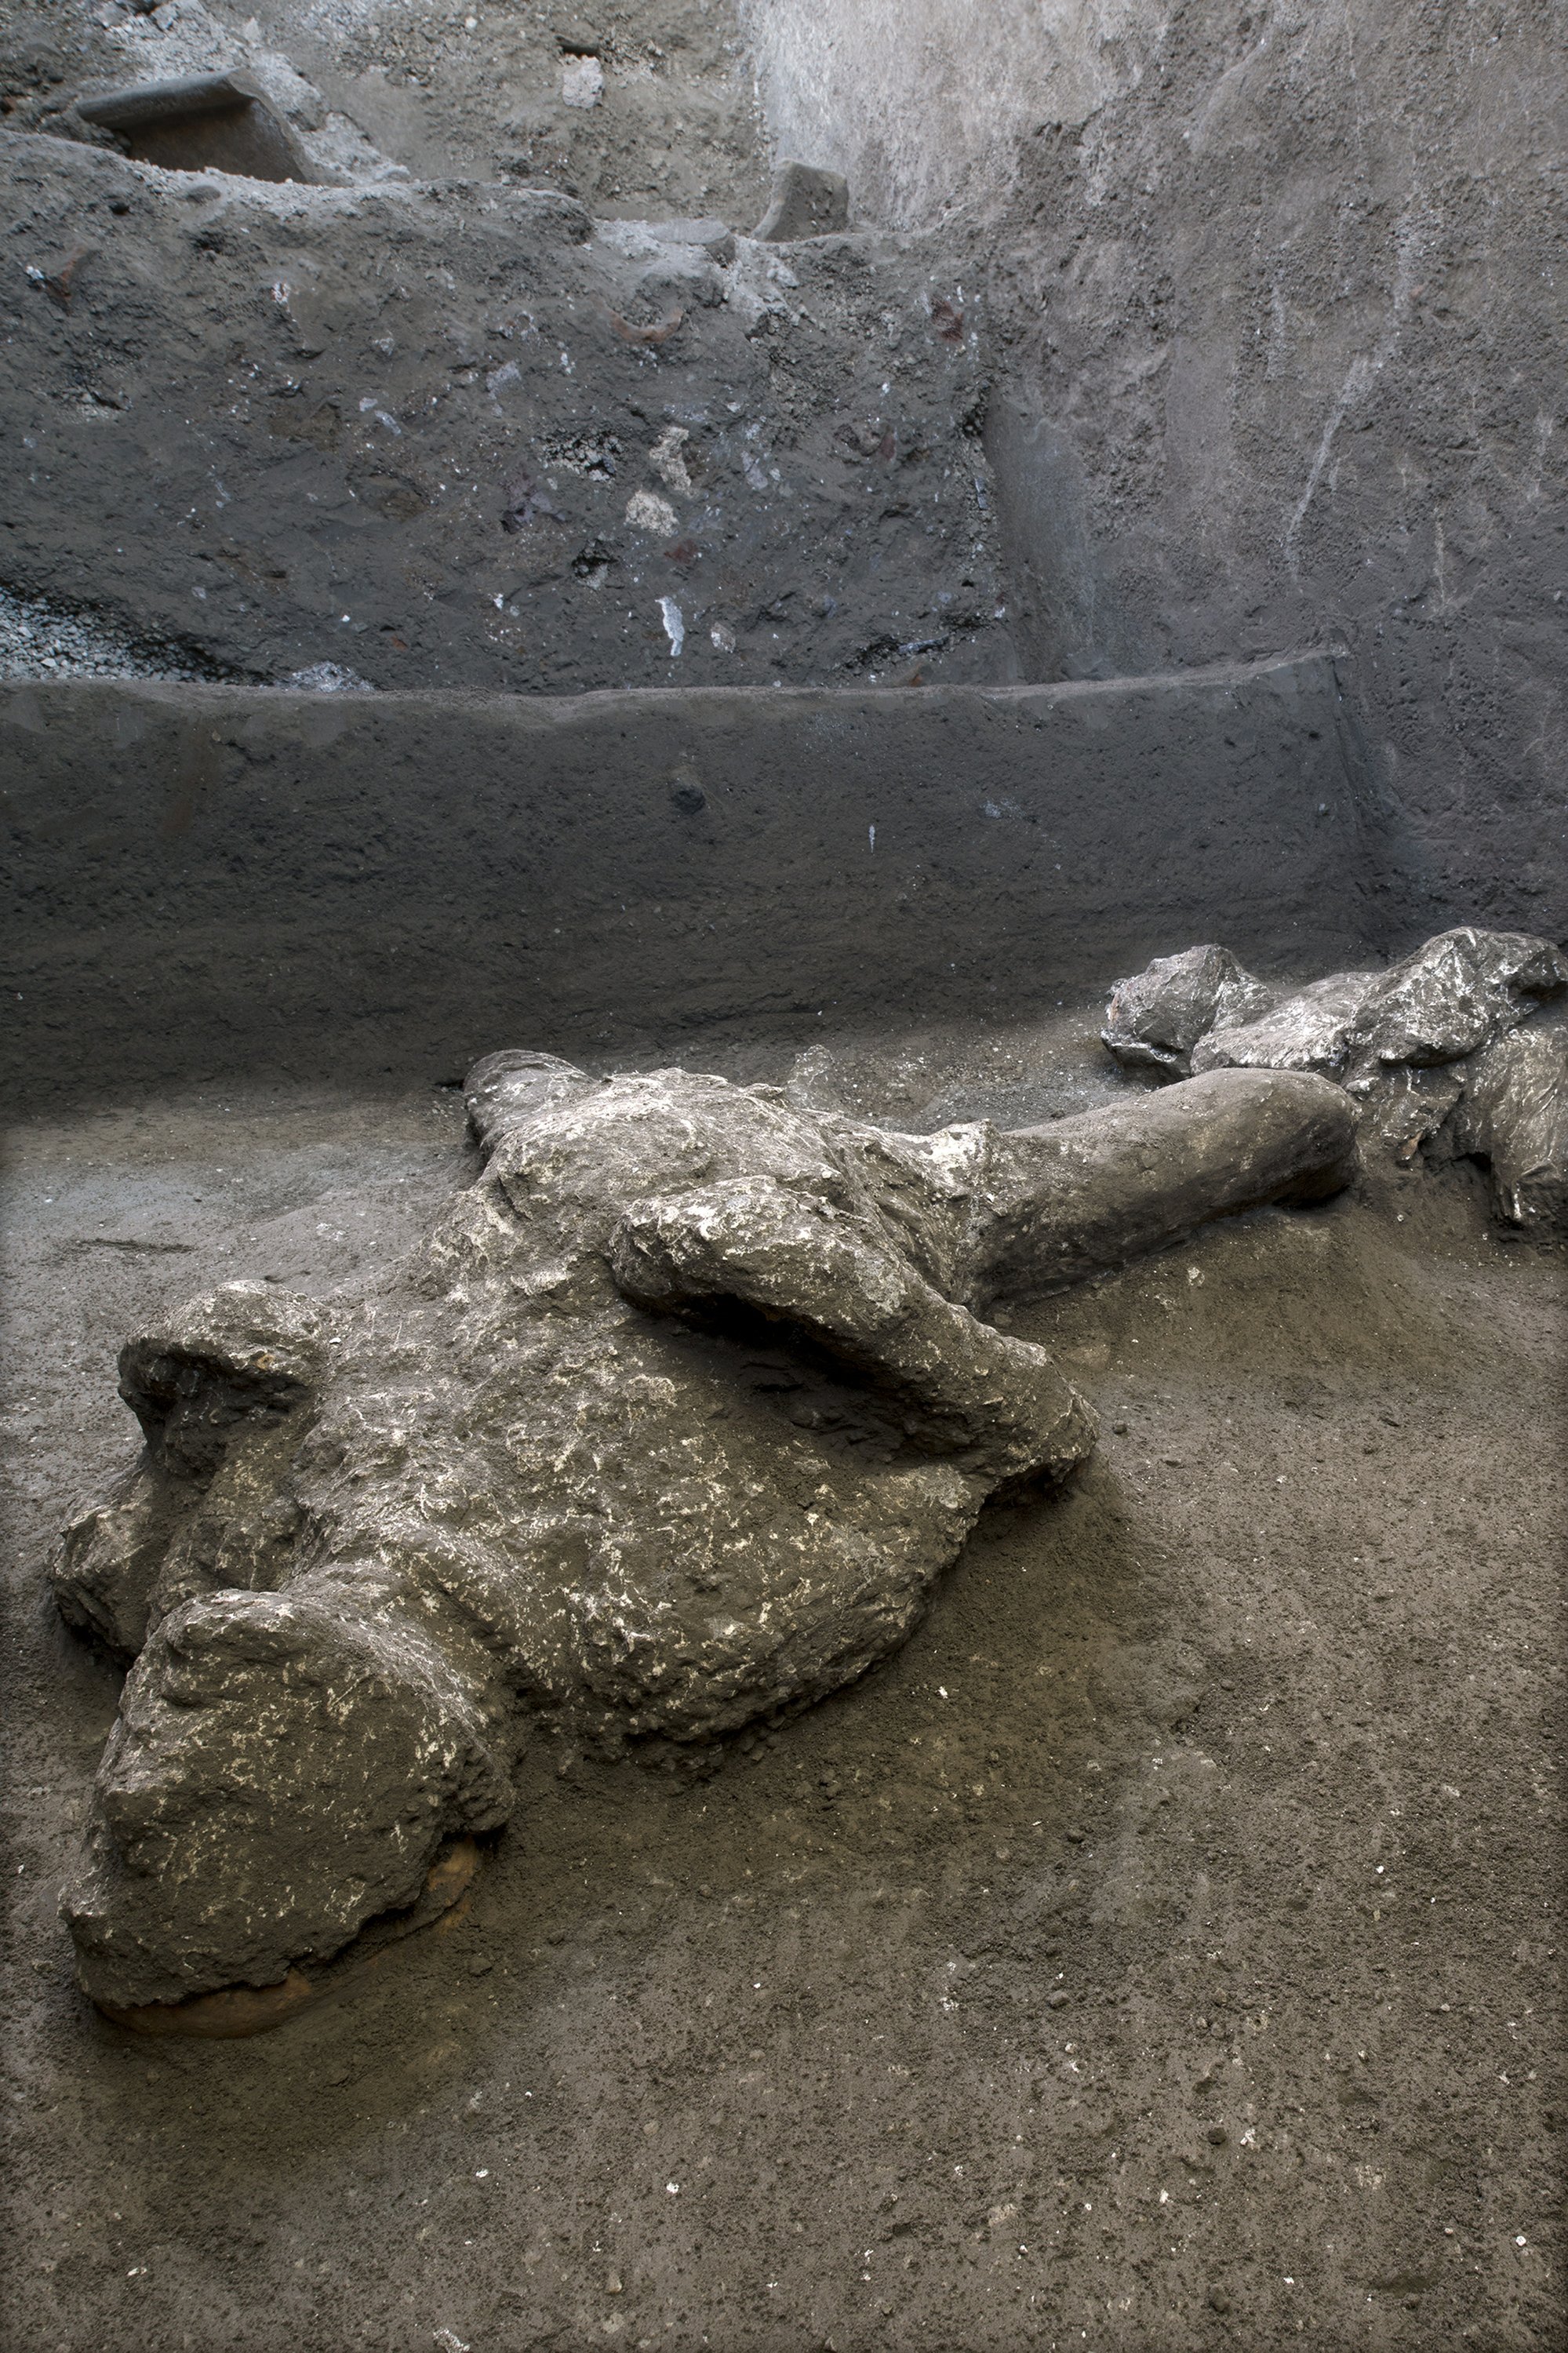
pixel 1462 990
pixel 221 121
pixel 1310 1031
pixel 1451 1036
pixel 1408 1108
pixel 1452 995
pixel 805 202
pixel 673 1422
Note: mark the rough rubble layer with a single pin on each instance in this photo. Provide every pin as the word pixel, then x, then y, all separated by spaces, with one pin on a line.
pixel 1452 1040
pixel 670 1424
pixel 458 434
pixel 38 639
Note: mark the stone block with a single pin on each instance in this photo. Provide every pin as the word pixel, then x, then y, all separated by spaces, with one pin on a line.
pixel 806 203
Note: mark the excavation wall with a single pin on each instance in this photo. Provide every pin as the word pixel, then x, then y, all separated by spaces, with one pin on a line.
pixel 463 436
pixel 215 881
pixel 1274 298
pixel 637 106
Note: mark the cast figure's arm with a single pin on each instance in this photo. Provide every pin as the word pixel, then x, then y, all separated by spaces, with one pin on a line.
pixel 795 1259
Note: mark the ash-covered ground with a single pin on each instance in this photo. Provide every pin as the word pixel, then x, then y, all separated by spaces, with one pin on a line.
pixel 1159 1952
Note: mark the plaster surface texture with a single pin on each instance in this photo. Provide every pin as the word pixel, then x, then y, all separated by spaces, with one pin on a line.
pixel 209 880
pixel 541 1470
pixel 1275 314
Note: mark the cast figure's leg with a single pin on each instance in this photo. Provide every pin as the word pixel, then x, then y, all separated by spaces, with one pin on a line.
pixel 1064 1202
pixel 221 1391
pixel 293 1741
pixel 284 1768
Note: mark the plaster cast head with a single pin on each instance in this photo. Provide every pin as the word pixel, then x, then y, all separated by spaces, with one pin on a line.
pixel 287 1759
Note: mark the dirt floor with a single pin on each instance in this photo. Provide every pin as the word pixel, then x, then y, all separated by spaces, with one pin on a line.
pixel 1162 1952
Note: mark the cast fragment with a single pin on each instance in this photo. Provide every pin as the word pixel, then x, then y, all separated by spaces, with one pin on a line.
pixel 1461 1046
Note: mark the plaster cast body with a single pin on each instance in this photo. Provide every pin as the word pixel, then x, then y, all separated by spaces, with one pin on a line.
pixel 671 1423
